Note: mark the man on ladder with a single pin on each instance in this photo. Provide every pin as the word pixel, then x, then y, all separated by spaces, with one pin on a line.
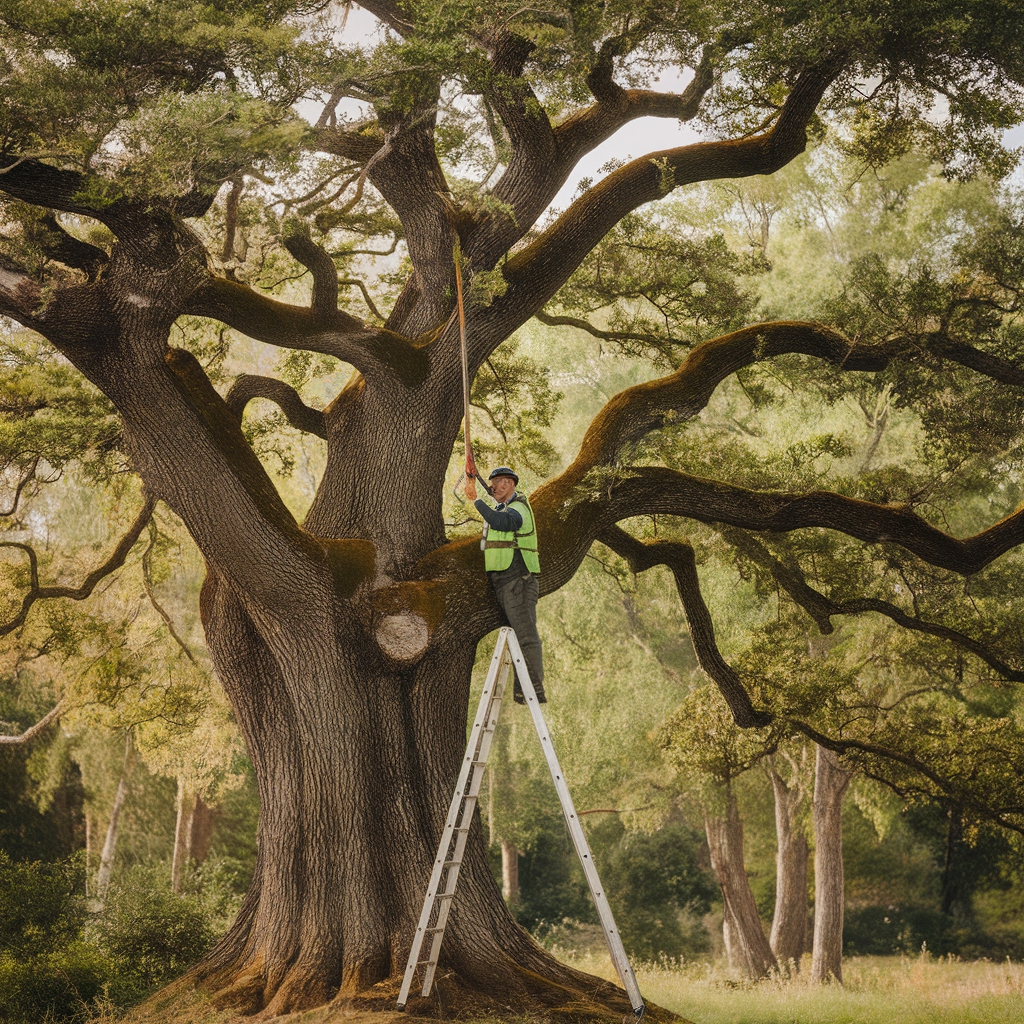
pixel 509 544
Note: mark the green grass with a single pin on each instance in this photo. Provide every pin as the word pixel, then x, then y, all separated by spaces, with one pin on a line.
pixel 876 990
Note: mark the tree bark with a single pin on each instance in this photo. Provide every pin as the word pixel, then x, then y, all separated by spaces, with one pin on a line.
pixel 742 929
pixel 509 871
pixel 182 834
pixel 789 923
pixel 830 784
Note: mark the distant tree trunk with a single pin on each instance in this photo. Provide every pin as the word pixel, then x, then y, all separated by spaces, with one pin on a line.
pixel 110 844
pixel 182 834
pixel 789 923
pixel 830 784
pixel 203 817
pixel 729 941
pixel 88 849
pixel 742 929
pixel 509 871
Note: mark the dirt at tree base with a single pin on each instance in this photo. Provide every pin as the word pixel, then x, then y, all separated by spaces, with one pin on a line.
pixel 184 1003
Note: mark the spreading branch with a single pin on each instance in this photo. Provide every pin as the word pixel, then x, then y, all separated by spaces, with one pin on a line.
pixel 34 730
pixel 680 559
pixel 36 592
pixel 372 351
pixel 543 156
pixel 821 608
pixel 248 386
pixel 654 490
pixel 536 272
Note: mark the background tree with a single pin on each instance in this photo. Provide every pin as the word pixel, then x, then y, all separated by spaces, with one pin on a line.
pixel 345 644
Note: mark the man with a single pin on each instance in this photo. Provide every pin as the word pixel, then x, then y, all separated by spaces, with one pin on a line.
pixel 509 543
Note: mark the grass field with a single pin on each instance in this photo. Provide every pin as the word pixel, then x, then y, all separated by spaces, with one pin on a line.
pixel 876 990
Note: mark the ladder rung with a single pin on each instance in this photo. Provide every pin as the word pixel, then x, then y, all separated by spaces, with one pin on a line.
pixel 425 963
pixel 451 863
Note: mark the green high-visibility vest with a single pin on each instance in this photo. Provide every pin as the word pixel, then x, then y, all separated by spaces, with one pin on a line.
pixel 499 545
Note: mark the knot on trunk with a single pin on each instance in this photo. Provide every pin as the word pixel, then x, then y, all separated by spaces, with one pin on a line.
pixel 406 615
pixel 402 637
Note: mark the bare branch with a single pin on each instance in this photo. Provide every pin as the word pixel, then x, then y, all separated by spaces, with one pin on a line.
pixel 34 730
pixel 248 386
pixel 390 13
pixel 147 580
pixel 367 298
pixel 318 262
pixel 680 559
pixel 23 482
pixel 553 320
pixel 81 592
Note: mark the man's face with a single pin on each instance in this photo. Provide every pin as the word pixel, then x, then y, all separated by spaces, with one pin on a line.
pixel 503 488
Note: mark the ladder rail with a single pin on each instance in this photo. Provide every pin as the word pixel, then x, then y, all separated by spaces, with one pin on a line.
pixel 481 721
pixel 579 839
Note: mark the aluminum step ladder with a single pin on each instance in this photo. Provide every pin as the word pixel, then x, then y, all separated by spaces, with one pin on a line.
pixel 445 874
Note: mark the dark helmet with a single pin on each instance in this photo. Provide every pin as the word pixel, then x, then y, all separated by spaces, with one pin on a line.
pixel 504 471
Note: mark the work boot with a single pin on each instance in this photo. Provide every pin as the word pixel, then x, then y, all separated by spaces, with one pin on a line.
pixel 541 698
pixel 517 693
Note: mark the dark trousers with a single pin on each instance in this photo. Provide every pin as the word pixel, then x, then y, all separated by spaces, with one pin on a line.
pixel 517 591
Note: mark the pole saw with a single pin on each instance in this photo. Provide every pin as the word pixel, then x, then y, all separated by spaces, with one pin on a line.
pixel 470 470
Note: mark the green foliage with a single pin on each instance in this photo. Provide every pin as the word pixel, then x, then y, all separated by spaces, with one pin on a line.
pixel 156 934
pixel 40 905
pixel 658 887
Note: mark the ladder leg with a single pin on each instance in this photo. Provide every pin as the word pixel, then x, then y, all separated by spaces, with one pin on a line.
pixel 460 814
pixel 579 839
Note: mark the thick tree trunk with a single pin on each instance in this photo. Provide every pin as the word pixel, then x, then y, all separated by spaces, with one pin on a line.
pixel 186 805
pixel 509 871
pixel 355 761
pixel 742 928
pixel 830 784
pixel 789 923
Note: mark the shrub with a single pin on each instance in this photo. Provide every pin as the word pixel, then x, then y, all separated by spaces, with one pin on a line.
pixel 41 908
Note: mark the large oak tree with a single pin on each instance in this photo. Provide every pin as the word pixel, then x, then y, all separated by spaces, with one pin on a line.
pixel 345 642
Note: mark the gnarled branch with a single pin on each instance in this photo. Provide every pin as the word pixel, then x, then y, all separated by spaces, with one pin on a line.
pixel 822 608
pixel 679 558
pixel 541 268
pixel 248 386
pixel 81 592
pixel 372 351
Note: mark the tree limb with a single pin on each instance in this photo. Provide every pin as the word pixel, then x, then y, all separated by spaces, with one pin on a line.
pixel 390 13
pixel 371 350
pixel 81 592
pixel 248 386
pixel 34 730
pixel 679 558
pixel 553 320
pixel 654 490
pixel 536 272
pixel 821 608
pixel 542 156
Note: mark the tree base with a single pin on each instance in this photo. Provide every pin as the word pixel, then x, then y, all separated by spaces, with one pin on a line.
pixel 182 1002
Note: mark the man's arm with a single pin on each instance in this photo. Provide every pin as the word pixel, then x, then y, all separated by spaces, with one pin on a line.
pixel 507 521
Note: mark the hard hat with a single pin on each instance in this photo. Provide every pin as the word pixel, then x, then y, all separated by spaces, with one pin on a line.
pixel 503 471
